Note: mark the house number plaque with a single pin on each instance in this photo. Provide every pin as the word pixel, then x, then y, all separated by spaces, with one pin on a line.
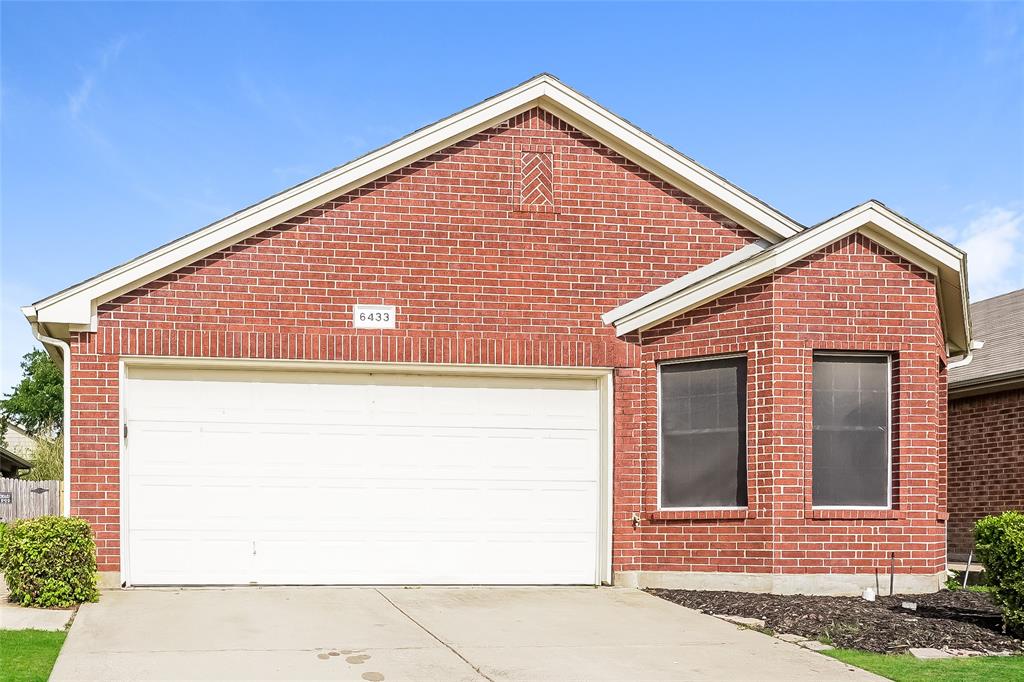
pixel 373 317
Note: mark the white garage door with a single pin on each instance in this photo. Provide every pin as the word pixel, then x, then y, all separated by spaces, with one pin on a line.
pixel 281 477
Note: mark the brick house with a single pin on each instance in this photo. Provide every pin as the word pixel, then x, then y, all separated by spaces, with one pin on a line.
pixel 527 344
pixel 986 422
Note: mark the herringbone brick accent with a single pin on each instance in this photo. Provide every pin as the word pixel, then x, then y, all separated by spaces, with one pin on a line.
pixel 535 185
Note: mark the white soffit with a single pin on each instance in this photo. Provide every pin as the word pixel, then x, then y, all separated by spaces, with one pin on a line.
pixel 75 308
pixel 873 219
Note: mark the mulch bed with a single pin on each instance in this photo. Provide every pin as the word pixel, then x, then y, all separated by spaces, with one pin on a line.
pixel 944 620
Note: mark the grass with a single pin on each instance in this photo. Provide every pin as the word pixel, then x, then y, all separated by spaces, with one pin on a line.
pixel 906 668
pixel 28 655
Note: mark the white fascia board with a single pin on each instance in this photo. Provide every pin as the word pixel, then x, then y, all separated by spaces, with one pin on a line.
pixel 911 235
pixel 598 121
pixel 76 306
pixel 872 219
pixel 676 285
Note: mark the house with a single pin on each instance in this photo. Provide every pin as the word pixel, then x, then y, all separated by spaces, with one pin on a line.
pixel 986 422
pixel 18 440
pixel 527 344
pixel 11 464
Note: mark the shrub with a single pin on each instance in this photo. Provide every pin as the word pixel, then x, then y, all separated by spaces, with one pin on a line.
pixel 3 533
pixel 49 561
pixel 47 460
pixel 1000 544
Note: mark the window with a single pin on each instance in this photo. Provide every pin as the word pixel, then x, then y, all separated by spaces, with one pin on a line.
pixel 703 434
pixel 851 442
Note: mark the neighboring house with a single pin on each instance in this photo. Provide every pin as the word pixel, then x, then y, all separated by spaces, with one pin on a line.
pixel 526 344
pixel 18 440
pixel 11 464
pixel 986 422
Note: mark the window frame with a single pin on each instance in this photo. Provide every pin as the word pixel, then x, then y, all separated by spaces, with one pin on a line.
pixel 746 425
pixel 888 441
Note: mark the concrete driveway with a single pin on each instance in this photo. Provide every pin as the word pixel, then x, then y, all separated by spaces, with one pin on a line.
pixel 392 634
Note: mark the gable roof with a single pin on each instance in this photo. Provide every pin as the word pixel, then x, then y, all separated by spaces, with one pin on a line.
pixel 74 308
pixel 999 364
pixel 16 438
pixel 872 219
pixel 12 460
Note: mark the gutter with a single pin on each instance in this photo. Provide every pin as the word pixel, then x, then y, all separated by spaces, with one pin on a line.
pixel 966 358
pixel 65 351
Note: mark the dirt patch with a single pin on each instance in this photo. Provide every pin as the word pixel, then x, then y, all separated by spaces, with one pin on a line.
pixel 944 620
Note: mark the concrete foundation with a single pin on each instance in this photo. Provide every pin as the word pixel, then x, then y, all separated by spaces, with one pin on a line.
pixel 850 584
pixel 109 580
pixel 773 583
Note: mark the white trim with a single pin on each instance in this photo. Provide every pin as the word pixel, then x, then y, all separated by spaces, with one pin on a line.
pixel 298 365
pixel 122 480
pixel 76 306
pixel 873 219
pixel 888 443
pixel 658 407
pixel 686 280
pixel 606 481
pixel 603 376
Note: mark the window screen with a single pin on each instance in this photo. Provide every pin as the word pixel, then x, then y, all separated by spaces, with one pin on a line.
pixel 851 431
pixel 703 434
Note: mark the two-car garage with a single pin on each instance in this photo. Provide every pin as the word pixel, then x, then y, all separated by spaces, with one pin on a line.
pixel 304 475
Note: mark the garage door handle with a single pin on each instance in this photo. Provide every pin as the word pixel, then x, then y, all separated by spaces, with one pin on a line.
pixel 254 548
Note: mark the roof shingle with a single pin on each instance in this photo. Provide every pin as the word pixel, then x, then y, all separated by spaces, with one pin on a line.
pixel 999 322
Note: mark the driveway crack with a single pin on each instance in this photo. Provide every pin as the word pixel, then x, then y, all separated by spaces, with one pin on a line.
pixel 439 640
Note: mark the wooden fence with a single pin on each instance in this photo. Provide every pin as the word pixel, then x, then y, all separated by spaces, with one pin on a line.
pixel 27 499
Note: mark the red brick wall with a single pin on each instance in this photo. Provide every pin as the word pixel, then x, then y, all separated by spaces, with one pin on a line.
pixel 475 278
pixel 479 279
pixel 986 462
pixel 853 295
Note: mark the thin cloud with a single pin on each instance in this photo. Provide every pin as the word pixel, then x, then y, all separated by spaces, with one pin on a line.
pixel 78 99
pixel 994 242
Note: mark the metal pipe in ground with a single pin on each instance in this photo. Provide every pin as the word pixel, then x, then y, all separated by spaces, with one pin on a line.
pixel 892 572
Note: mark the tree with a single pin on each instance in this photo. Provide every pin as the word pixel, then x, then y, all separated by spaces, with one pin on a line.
pixel 37 402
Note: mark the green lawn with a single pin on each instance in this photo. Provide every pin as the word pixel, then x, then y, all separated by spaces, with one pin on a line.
pixel 28 655
pixel 906 668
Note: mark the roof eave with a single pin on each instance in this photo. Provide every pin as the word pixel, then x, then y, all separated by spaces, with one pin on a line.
pixel 945 262
pixel 1008 381
pixel 75 308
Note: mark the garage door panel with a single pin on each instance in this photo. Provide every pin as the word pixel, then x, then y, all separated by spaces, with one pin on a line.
pixel 168 507
pixel 169 557
pixel 294 478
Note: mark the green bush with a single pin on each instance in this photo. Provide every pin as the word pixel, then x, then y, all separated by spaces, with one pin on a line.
pixel 49 561
pixel 999 541
pixel 3 534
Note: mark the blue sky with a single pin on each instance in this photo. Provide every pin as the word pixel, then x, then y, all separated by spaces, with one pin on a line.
pixel 127 125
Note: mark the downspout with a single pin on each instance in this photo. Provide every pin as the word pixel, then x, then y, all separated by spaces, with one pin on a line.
pixel 966 358
pixel 65 351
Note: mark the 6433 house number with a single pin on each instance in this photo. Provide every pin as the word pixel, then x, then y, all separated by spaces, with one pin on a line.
pixel 373 317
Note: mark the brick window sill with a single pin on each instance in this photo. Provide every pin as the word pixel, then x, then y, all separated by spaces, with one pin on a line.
pixel 877 514
pixel 701 514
